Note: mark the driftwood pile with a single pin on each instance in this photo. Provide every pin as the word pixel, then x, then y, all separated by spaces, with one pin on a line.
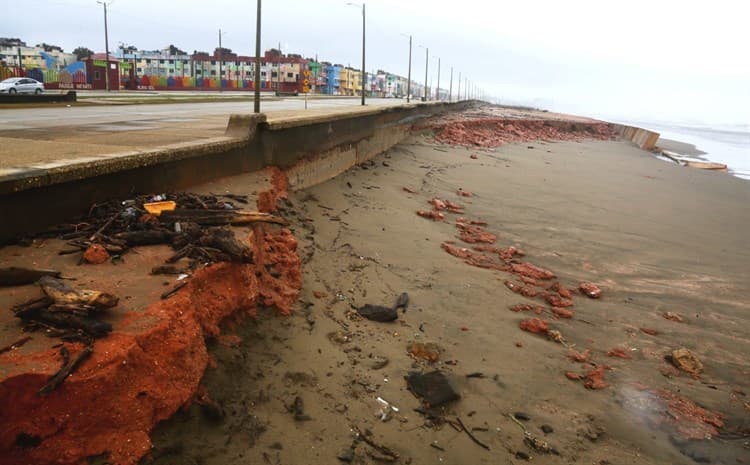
pixel 65 312
pixel 196 228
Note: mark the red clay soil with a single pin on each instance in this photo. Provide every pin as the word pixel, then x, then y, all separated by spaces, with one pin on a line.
pixel 580 357
pixel 590 289
pixel 620 353
pixel 562 312
pixel 95 255
pixel 595 378
pixel 691 420
pixel 493 132
pixel 534 325
pixel 146 369
pixel 268 200
pixel 473 234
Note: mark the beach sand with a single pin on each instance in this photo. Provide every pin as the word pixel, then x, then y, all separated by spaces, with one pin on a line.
pixel 655 237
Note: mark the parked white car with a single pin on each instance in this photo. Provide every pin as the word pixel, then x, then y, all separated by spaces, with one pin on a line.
pixel 19 85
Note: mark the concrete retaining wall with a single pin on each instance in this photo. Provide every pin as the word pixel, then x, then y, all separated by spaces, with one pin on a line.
pixel 643 138
pixel 312 150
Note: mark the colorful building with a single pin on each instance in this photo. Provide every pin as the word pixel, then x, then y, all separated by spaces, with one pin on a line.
pixel 172 69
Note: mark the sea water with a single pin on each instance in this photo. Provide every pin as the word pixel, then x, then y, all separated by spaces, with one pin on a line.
pixel 728 144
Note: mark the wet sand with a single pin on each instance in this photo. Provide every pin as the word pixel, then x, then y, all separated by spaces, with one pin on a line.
pixel 655 237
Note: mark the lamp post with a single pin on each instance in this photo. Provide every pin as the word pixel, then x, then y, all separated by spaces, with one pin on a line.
pixel 408 79
pixel 278 72
pixel 450 87
pixel 256 83
pixel 458 92
pixel 437 90
pixel 221 59
pixel 106 44
pixel 426 66
pixel 364 73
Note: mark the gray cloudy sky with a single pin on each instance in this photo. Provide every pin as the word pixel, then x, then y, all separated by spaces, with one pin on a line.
pixel 661 60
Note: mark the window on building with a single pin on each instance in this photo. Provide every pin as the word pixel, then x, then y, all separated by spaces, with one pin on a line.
pixel 274 74
pixel 213 62
pixel 161 62
pixel 263 74
pixel 96 75
pixel 148 61
pixel 197 72
pixel 290 75
pixel 139 70
pixel 171 62
pixel 171 70
pixel 213 72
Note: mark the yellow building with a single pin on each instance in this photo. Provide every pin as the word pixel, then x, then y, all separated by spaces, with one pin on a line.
pixel 357 82
pixel 350 82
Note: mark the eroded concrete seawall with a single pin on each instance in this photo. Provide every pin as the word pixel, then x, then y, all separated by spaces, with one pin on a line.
pixel 311 149
pixel 643 138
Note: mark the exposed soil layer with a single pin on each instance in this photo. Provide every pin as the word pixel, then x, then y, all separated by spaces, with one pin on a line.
pixel 494 132
pixel 147 368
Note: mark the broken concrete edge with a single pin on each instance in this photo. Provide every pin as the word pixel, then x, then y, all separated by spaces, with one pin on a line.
pixel 21 179
pixel 244 126
pixel 643 138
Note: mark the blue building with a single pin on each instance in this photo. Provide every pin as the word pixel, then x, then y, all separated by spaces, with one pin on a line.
pixel 333 83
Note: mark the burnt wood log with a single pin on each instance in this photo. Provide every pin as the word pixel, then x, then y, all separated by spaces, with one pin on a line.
pixel 219 217
pixel 62 294
pixel 148 237
pixel 31 305
pixel 224 240
pixel 67 368
pixel 64 320
pixel 16 276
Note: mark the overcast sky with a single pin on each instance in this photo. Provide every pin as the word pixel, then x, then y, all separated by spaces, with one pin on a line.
pixel 664 60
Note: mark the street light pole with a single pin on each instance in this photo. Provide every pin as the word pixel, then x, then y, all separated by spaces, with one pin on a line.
pixel 106 45
pixel 408 79
pixel 221 64
pixel 426 65
pixel 256 84
pixel 438 81
pixel 450 87
pixel 458 92
pixel 364 73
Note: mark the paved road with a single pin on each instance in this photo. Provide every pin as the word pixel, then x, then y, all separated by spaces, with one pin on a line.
pixel 57 117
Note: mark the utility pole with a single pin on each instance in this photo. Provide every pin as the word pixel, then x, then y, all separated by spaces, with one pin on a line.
pixel 278 72
pixel 363 76
pixel 106 45
pixel 426 64
pixel 221 58
pixel 458 92
pixel 438 81
pixel 408 79
pixel 450 88
pixel 364 73
pixel 256 84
